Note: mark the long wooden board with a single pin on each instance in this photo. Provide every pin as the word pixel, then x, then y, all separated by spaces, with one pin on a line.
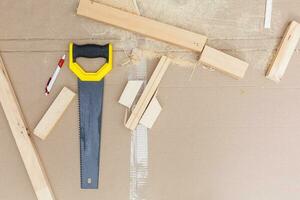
pixel 148 27
pixel 54 113
pixel 285 52
pixel 224 62
pixel 148 93
pixel 26 148
pixel 141 25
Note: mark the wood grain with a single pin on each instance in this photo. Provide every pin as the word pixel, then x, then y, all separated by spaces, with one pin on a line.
pixel 148 93
pixel 223 62
pixel 156 30
pixel 54 113
pixel 285 52
pixel 142 25
pixel 26 148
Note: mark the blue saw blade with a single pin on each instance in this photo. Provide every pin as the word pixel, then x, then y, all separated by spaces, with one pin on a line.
pixel 90 114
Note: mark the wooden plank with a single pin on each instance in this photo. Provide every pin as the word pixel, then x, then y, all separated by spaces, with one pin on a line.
pixel 26 148
pixel 285 52
pixel 130 92
pixel 151 28
pixel 151 114
pixel 148 93
pixel 223 62
pixel 142 25
pixel 54 113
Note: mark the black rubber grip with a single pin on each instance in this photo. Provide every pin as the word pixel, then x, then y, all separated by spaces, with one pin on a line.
pixel 90 51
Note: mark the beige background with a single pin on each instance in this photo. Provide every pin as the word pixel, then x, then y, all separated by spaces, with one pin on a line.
pixel 216 138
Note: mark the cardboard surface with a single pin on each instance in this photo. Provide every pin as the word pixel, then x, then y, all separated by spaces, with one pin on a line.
pixel 216 138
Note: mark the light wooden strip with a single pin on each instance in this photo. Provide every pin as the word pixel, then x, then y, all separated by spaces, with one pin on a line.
pixel 224 62
pixel 148 93
pixel 151 114
pixel 130 92
pixel 268 14
pixel 26 148
pixel 54 113
pixel 142 25
pixel 285 52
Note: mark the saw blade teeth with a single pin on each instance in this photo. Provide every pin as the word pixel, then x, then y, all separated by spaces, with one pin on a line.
pixel 80 147
pixel 90 114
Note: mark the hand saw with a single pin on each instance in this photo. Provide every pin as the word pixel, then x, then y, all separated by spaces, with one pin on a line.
pixel 90 93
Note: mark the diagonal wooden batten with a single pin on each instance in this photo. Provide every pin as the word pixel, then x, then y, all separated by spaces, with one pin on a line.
pixel 26 148
pixel 148 93
pixel 142 25
pixel 285 52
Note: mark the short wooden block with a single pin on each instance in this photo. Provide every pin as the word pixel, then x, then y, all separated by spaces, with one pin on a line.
pixel 223 62
pixel 130 92
pixel 151 114
pixel 285 52
pixel 54 113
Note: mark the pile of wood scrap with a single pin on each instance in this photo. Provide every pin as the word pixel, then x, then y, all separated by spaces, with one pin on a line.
pixel 147 108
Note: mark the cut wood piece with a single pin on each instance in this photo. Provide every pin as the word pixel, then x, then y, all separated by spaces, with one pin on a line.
pixel 285 52
pixel 223 62
pixel 54 113
pixel 130 92
pixel 142 25
pixel 148 93
pixel 26 148
pixel 151 114
pixel 268 13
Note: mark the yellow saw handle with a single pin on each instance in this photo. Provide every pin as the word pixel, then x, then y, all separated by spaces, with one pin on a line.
pixel 90 51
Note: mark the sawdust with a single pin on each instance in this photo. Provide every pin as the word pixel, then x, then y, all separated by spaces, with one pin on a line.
pixel 93 29
pixel 220 20
pixel 215 18
pixel 127 5
pixel 242 92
